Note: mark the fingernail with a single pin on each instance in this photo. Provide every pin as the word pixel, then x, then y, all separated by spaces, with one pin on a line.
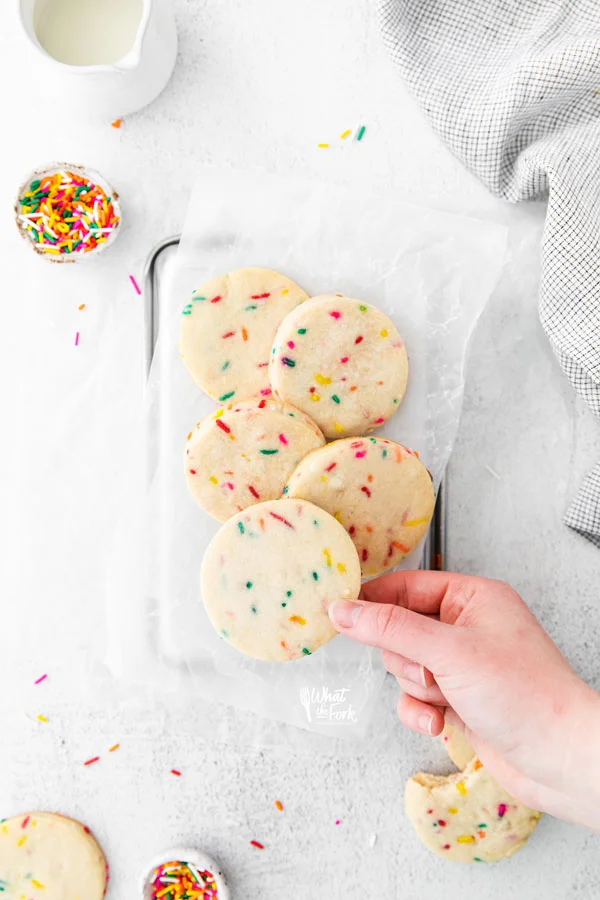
pixel 425 723
pixel 344 613
pixel 415 673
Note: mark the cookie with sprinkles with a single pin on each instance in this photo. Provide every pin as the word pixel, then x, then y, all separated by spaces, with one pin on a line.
pixel 457 746
pixel 468 816
pixel 379 490
pixel 343 362
pixel 270 574
pixel 44 856
pixel 245 452
pixel 228 328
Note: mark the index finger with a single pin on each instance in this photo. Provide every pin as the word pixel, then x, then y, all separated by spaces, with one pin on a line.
pixel 420 591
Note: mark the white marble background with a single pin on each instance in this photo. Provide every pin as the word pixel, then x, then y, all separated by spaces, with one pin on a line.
pixel 256 84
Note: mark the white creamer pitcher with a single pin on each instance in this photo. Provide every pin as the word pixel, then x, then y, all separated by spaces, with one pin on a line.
pixel 108 58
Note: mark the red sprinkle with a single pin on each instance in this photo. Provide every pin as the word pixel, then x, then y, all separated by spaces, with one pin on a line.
pixel 259 296
pixel 256 843
pixel 352 529
pixel 25 822
pixel 262 404
pixel 220 424
pixel 446 847
pixel 94 759
pixel 192 471
pixel 283 439
pixel 133 281
pixel 228 334
pixel 359 339
pixel 360 454
pixel 266 391
pixel 254 492
pixel 365 555
pixel 344 359
pixel 335 314
pixel 291 345
pixel 281 519
pixel 176 772
pixel 366 490
pixel 332 466
pixel 441 823
pixel 216 299
pixel 262 365
pixel 501 810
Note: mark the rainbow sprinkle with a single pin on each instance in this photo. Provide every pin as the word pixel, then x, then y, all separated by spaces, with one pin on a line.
pixel 64 214
pixel 178 879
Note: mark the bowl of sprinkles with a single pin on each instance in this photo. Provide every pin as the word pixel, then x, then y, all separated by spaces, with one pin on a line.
pixel 184 875
pixel 67 213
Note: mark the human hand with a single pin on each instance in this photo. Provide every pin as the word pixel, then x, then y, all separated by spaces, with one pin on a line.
pixel 468 649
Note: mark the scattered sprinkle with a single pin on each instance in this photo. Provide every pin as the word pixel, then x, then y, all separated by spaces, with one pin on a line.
pixel 360 132
pixel 113 748
pixel 81 306
pixel 42 719
pixel 501 810
pixel 176 772
pixel 337 821
pixel 465 839
pixel 279 805
pixel 91 761
pixel 345 134
pixel 116 123
pixel 40 679
pixel 77 339
pixel 323 146
pixel 258 845
pixel 136 286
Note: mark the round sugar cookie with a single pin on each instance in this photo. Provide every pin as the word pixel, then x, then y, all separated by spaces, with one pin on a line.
pixel 228 328
pixel 380 492
pixel 44 856
pixel 270 574
pixel 245 452
pixel 467 817
pixel 341 361
pixel 457 746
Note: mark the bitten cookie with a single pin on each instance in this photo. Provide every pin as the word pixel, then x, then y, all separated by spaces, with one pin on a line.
pixel 44 856
pixel 228 328
pixel 457 746
pixel 380 492
pixel 270 574
pixel 467 817
pixel 245 452
pixel 341 361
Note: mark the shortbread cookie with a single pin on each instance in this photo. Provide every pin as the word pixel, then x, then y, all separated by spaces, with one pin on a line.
pixel 270 575
pixel 380 492
pixel 245 452
pixel 467 817
pixel 44 856
pixel 228 328
pixel 342 361
pixel 457 746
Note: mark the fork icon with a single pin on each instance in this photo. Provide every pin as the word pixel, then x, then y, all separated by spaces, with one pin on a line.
pixel 305 701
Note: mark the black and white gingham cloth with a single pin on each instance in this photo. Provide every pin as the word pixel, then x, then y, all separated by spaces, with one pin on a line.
pixel 513 87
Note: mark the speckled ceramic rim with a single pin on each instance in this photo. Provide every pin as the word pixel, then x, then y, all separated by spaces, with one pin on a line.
pixel 185 854
pixel 91 175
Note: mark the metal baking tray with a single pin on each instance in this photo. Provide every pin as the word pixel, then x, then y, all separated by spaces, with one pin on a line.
pixel 434 555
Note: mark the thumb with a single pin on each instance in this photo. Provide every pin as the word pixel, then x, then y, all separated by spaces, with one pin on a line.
pixel 398 629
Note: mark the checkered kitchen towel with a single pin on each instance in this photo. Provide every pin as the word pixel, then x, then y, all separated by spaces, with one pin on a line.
pixel 513 87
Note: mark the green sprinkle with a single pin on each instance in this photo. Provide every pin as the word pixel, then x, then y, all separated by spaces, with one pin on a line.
pixel 241 527
pixel 477 859
pixel 315 576
pixel 306 651
pixel 362 308
pixel 248 584
pixel 226 396
pixel 395 400
pixel 224 632
pixel 482 825
pixel 335 398
pixel 49 236
pixel 253 608
pixel 288 362
pixel 288 593
pixel 186 312
pixel 373 440
pixel 108 199
pixel 197 299
pixel 284 604
pixel 302 331
pixel 252 306
pixel 34 185
pixel 269 452
pixel 225 365
pixel 360 133
pixel 384 453
pixel 293 415
pixel 316 522
pixel 286 489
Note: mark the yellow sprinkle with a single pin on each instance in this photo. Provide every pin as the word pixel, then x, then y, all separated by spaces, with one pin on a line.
pixel 412 523
pixel 321 379
pixel 460 787
pixel 341 568
pixel 327 556
pixel 189 435
pixel 337 426
pixel 466 839
pixel 323 146
pixel 218 413
pixel 213 479
pixel 4 829
pixel 345 134
pixel 452 810
pixel 231 437
pixel 37 884
pixel 22 841
pixel 42 718
pixel 298 619
pixel 285 291
pixel 315 398
pixel 323 477
pixel 337 515
pixel 384 332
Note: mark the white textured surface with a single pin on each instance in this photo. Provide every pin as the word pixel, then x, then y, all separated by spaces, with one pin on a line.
pixel 260 84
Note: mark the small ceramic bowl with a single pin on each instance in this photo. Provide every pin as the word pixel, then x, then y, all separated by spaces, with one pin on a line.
pixel 196 858
pixel 33 219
